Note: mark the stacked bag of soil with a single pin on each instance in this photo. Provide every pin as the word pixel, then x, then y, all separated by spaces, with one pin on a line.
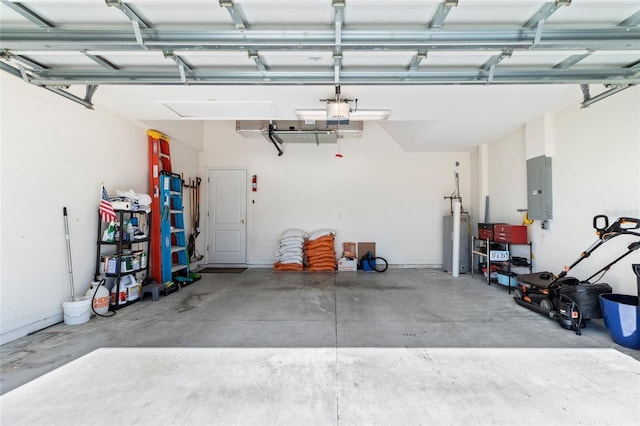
pixel 290 253
pixel 319 251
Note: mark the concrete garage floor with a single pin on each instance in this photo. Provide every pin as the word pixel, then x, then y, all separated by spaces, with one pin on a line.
pixel 407 346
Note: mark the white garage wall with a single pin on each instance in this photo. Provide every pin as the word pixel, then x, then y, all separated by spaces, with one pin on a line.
pixel 595 154
pixel 507 176
pixel 56 153
pixel 376 192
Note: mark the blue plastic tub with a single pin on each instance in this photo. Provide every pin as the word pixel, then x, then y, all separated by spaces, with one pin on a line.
pixel 621 315
pixel 506 280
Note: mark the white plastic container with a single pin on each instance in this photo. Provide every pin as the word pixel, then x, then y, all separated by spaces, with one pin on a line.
pixel 77 311
pixel 132 289
pixel 119 295
pixel 100 296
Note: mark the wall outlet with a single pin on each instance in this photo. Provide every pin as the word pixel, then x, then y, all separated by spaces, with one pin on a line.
pixel 545 224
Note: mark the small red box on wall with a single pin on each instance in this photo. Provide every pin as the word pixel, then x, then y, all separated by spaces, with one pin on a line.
pixel 515 234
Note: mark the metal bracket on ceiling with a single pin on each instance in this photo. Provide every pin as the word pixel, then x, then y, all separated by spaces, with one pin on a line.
pixel 441 13
pixel 23 74
pixel 23 10
pixel 613 89
pixel 137 32
pixel 545 11
pixel 235 11
pixel 182 64
pixel 57 89
pixel 131 12
pixel 259 60
pixel 416 60
pixel 490 65
pixel 538 36
pixel 538 19
pixel 572 60
pixel 71 97
pixel 496 59
pixel 136 18
pixel 101 61
pixel 10 56
pixel 631 21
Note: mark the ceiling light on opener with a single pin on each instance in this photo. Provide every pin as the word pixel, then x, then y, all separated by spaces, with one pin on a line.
pixel 359 115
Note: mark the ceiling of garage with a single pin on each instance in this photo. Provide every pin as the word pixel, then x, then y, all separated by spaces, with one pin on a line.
pixel 453 73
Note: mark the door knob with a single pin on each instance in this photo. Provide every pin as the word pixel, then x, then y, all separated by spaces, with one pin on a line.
pixel 242 220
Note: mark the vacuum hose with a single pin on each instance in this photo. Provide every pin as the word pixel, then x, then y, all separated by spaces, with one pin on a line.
pixel 373 263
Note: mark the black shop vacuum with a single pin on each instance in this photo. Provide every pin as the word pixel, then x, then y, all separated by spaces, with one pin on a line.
pixel 568 300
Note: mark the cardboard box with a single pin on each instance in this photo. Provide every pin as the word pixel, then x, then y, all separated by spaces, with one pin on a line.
pixel 363 248
pixel 347 265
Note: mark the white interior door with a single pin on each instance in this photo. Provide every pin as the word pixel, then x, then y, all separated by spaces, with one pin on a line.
pixel 227 216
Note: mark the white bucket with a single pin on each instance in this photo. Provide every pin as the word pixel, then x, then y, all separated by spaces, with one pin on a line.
pixel 77 311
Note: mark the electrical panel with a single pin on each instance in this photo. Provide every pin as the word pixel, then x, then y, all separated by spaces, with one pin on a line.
pixel 539 197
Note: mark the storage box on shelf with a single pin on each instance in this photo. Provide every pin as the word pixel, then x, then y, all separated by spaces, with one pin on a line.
pixel 122 255
pixel 486 230
pixel 514 234
pixel 498 252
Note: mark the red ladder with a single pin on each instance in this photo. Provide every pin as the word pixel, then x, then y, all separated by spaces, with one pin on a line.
pixel 159 160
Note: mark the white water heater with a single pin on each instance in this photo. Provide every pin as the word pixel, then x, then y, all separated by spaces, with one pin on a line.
pixel 465 244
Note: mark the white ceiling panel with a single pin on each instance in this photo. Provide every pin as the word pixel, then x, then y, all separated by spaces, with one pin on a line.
pixel 261 13
pixel 590 13
pixel 141 59
pixel 298 58
pixel 66 60
pixel 492 13
pixel 364 13
pixel 617 59
pixel 216 59
pixel 377 58
pixel 458 59
pixel 184 12
pixel 84 13
pixel 542 59
pixel 221 110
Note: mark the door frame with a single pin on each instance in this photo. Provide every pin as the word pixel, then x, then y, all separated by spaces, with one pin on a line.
pixel 208 231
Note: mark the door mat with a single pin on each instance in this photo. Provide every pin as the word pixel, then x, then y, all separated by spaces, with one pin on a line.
pixel 221 270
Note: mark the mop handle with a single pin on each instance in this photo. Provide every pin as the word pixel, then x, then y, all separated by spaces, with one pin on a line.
pixel 66 236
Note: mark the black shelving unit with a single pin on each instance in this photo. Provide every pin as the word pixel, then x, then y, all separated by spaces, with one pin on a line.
pixel 506 265
pixel 123 250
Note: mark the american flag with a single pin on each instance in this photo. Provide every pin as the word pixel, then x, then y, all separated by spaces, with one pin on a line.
pixel 106 209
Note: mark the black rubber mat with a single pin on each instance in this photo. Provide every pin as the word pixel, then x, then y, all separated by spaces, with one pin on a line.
pixel 221 270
